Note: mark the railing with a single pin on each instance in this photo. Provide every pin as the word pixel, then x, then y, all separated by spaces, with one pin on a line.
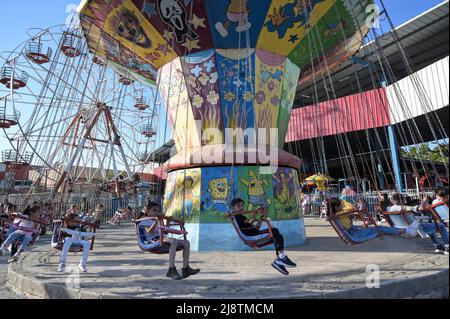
pixel 61 206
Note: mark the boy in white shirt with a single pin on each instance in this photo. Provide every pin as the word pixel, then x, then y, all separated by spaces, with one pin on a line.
pixel 77 238
pixel 152 233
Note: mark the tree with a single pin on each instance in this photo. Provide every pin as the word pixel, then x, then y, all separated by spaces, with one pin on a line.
pixel 426 152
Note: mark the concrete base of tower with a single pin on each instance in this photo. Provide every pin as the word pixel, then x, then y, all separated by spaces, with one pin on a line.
pixel 223 237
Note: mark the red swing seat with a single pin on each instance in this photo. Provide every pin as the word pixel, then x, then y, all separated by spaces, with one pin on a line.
pixel 59 235
pixel 401 219
pixel 159 246
pixel 367 221
pixel 259 241
pixel 6 223
pixel 440 213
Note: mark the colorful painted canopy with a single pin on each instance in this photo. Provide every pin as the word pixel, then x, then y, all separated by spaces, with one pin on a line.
pixel 319 178
pixel 141 36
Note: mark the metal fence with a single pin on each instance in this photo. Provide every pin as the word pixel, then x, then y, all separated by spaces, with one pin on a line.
pixel 60 205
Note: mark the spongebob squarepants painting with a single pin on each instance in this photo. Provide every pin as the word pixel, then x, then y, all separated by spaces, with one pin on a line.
pixel 204 195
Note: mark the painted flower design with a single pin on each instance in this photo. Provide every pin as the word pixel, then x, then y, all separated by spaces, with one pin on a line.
pixel 214 77
pixel 260 97
pixel 248 96
pixel 204 79
pixel 229 96
pixel 196 71
pixel 192 82
pixel 275 101
pixel 197 101
pixel 238 83
pixel 213 97
pixel 271 85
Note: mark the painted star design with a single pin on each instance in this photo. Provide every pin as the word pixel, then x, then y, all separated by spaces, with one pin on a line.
pixel 197 22
pixel 150 9
pixel 168 35
pixel 191 44
pixel 294 38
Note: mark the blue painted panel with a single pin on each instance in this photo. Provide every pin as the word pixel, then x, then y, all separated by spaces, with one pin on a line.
pixel 218 189
pixel 236 78
pixel 234 22
pixel 223 237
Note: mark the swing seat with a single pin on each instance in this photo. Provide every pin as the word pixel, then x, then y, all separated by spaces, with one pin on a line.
pixel 60 233
pixel 402 220
pixel 440 212
pixel 158 246
pixel 347 237
pixel 257 241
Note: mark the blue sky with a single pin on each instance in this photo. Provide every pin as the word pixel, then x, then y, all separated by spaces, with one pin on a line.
pixel 16 20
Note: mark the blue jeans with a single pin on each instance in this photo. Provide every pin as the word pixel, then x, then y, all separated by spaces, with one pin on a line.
pixel 17 236
pixel 431 230
pixel 363 233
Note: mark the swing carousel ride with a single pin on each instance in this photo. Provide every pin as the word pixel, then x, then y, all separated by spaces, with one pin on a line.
pixel 217 65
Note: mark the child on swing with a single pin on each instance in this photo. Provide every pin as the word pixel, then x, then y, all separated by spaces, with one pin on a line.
pixel 340 209
pixel 77 238
pixel 152 230
pixel 248 229
pixel 24 231
pixel 441 246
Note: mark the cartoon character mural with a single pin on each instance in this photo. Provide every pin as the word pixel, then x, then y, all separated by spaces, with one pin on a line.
pixel 237 13
pixel 182 198
pixel 187 195
pixel 257 195
pixel 218 190
pixel 127 25
pixel 287 16
pixel 286 204
pixel 174 14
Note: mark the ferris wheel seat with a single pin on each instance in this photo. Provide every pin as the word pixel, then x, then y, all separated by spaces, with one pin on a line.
pixel 38 58
pixel 16 83
pixel 141 107
pixel 7 123
pixel 70 51
pixel 98 61
pixel 125 81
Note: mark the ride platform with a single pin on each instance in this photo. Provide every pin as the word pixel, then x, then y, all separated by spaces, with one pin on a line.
pixel 327 268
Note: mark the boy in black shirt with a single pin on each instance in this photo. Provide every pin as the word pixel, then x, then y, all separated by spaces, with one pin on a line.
pixel 248 229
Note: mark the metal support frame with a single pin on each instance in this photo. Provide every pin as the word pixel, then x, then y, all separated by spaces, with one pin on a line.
pixel 393 145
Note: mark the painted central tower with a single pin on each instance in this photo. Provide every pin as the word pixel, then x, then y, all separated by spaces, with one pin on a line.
pixel 228 72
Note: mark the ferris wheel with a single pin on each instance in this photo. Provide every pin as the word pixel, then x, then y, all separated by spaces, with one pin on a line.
pixel 69 116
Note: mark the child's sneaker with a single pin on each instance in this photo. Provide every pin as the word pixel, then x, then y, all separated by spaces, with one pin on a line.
pixel 62 267
pixel 280 268
pixel 286 262
pixel 13 259
pixel 83 268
